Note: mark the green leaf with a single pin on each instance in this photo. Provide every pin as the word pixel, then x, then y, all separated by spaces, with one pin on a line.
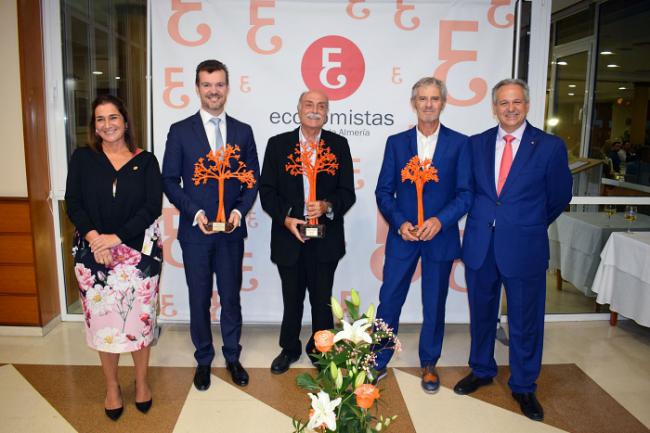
pixel 305 381
pixel 353 310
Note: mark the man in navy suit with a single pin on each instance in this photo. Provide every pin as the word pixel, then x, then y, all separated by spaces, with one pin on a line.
pixel 437 241
pixel 206 254
pixel 521 184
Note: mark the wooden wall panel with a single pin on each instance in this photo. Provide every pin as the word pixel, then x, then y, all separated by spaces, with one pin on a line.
pixel 15 216
pixel 19 310
pixel 17 279
pixel 16 249
pixel 32 85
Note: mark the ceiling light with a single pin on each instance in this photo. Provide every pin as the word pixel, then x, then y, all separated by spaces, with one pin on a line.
pixel 562 63
pixel 553 121
pixel 606 53
pixel 98 73
pixel 572 85
pixel 622 88
pixel 571 94
pixel 117 78
pixel 613 65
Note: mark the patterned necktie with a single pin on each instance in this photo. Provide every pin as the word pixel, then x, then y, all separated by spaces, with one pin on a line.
pixel 218 140
pixel 506 162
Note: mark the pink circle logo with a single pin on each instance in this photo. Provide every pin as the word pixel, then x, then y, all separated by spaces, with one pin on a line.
pixel 333 65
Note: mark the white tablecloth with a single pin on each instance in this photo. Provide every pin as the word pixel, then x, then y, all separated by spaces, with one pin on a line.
pixel 576 240
pixel 623 277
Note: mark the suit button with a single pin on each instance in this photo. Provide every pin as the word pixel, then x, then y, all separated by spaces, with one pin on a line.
pixel 498 203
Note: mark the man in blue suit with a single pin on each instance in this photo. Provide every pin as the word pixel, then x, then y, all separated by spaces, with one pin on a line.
pixel 206 254
pixel 436 241
pixel 521 184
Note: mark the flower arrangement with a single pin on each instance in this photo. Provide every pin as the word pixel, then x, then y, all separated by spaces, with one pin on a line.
pixel 343 393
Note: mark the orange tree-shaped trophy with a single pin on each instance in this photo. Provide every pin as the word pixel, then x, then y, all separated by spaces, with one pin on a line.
pixel 300 164
pixel 220 170
pixel 419 173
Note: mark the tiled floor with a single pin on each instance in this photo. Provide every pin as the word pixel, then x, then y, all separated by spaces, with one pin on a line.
pixel 602 385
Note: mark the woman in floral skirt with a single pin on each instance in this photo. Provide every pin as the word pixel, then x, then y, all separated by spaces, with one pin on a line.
pixel 114 198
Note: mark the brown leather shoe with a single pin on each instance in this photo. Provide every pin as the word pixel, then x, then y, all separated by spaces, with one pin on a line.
pixel 430 379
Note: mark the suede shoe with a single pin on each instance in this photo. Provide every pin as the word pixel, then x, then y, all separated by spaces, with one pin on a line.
pixel 430 380
pixel 529 405
pixel 237 373
pixel 202 377
pixel 471 383
pixel 282 362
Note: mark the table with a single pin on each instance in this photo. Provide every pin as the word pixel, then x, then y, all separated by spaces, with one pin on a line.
pixel 576 240
pixel 623 276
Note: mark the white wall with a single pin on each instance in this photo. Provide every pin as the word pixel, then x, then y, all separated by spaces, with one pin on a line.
pixel 13 179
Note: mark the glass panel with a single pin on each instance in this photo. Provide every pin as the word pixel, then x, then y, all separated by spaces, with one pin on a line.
pixel 565 116
pixel 621 115
pixel 101 70
pixel 575 27
pixel 524 41
pixel 71 286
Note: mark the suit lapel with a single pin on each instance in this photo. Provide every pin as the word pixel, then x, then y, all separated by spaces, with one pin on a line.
pixel 526 148
pixel 413 142
pixel 199 132
pixel 231 133
pixel 490 146
pixel 441 147
pixel 291 147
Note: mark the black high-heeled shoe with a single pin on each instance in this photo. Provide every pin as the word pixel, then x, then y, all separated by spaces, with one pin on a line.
pixel 144 406
pixel 114 414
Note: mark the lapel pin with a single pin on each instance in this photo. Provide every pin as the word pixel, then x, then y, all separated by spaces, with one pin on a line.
pixel 135 167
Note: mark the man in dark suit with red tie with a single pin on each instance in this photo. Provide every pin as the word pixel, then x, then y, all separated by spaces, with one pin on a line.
pixel 522 183
pixel 305 264
pixel 205 253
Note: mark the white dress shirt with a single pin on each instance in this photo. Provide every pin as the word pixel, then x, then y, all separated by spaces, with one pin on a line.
pixel 210 127
pixel 427 145
pixel 500 146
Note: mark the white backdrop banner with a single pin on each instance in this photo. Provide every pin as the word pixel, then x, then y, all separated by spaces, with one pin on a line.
pixel 365 55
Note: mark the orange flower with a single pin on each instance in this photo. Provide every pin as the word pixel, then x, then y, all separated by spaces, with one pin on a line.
pixel 324 340
pixel 366 395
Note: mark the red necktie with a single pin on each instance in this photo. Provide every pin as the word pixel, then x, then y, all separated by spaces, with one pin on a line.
pixel 506 162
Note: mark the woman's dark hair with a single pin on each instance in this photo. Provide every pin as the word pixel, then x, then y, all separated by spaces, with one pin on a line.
pixel 95 141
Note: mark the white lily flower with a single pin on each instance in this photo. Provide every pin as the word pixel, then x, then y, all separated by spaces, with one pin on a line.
pixel 323 411
pixel 355 333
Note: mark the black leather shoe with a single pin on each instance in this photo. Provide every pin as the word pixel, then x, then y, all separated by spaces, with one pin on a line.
pixel 430 380
pixel 282 362
pixel 144 406
pixel 202 377
pixel 471 383
pixel 237 373
pixel 114 414
pixel 529 405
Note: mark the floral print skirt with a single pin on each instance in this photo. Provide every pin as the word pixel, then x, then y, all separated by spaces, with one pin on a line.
pixel 119 301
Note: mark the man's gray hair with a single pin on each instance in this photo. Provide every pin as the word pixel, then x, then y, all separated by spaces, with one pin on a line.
pixel 430 81
pixel 508 81
pixel 327 101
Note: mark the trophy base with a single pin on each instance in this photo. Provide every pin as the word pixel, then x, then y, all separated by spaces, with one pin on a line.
pixel 219 227
pixel 312 231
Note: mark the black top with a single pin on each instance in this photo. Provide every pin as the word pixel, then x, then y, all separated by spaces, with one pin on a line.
pixel 90 201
